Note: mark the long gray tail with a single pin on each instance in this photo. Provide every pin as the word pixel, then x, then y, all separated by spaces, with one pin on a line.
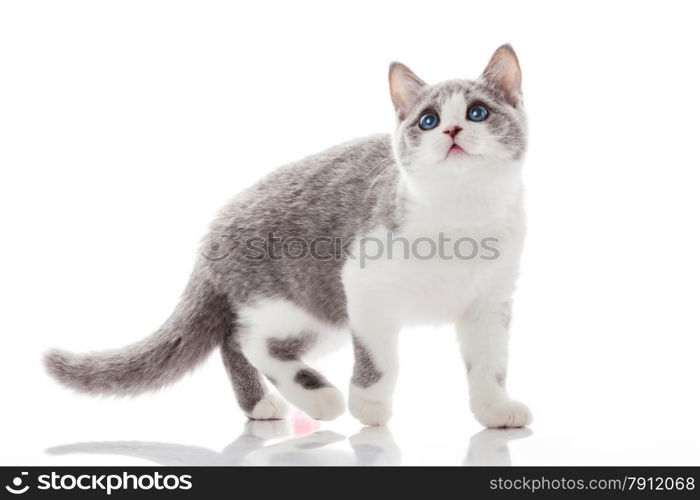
pixel 197 326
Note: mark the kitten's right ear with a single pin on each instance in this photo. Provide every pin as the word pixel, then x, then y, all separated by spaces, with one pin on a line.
pixel 405 88
pixel 503 73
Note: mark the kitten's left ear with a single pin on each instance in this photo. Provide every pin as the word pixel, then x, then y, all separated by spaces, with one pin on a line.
pixel 405 88
pixel 503 73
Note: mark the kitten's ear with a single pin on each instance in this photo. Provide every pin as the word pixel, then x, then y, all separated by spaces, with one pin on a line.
pixel 405 87
pixel 503 73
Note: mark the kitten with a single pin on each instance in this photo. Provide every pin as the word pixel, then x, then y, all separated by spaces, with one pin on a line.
pixel 335 244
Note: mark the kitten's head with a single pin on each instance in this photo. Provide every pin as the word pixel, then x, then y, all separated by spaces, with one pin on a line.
pixel 460 123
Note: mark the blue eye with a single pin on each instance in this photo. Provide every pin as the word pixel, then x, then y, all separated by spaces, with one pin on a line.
pixel 477 113
pixel 428 120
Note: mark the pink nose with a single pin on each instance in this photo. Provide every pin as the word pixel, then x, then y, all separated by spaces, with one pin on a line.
pixel 452 131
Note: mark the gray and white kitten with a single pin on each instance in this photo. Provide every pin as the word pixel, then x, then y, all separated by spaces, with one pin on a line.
pixel 280 271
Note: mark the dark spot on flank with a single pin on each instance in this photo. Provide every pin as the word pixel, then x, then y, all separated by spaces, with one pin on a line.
pixel 309 379
pixel 501 379
pixel 290 348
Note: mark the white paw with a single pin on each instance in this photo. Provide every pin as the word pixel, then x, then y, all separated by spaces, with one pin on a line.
pixel 270 407
pixel 504 414
pixel 326 403
pixel 370 412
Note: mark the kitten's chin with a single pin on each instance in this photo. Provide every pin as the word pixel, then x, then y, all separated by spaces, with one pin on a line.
pixel 457 165
pixel 469 159
pixel 462 158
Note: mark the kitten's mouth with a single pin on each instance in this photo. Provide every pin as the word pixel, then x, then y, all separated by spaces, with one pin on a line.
pixel 455 149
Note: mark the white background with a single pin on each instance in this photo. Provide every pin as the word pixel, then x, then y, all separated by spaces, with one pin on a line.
pixel 125 125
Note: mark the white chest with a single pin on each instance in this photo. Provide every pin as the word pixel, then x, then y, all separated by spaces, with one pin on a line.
pixel 429 276
pixel 457 245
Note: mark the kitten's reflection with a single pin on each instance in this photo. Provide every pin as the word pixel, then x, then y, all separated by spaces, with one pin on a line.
pixel 490 446
pixel 371 446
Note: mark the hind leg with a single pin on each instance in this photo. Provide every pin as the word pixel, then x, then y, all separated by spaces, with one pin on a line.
pixel 300 384
pixel 254 398
pixel 277 335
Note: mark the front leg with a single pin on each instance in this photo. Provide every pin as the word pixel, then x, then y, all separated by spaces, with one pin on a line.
pixel 375 344
pixel 483 336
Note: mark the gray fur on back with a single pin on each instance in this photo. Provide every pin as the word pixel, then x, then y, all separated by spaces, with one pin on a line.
pixel 338 193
